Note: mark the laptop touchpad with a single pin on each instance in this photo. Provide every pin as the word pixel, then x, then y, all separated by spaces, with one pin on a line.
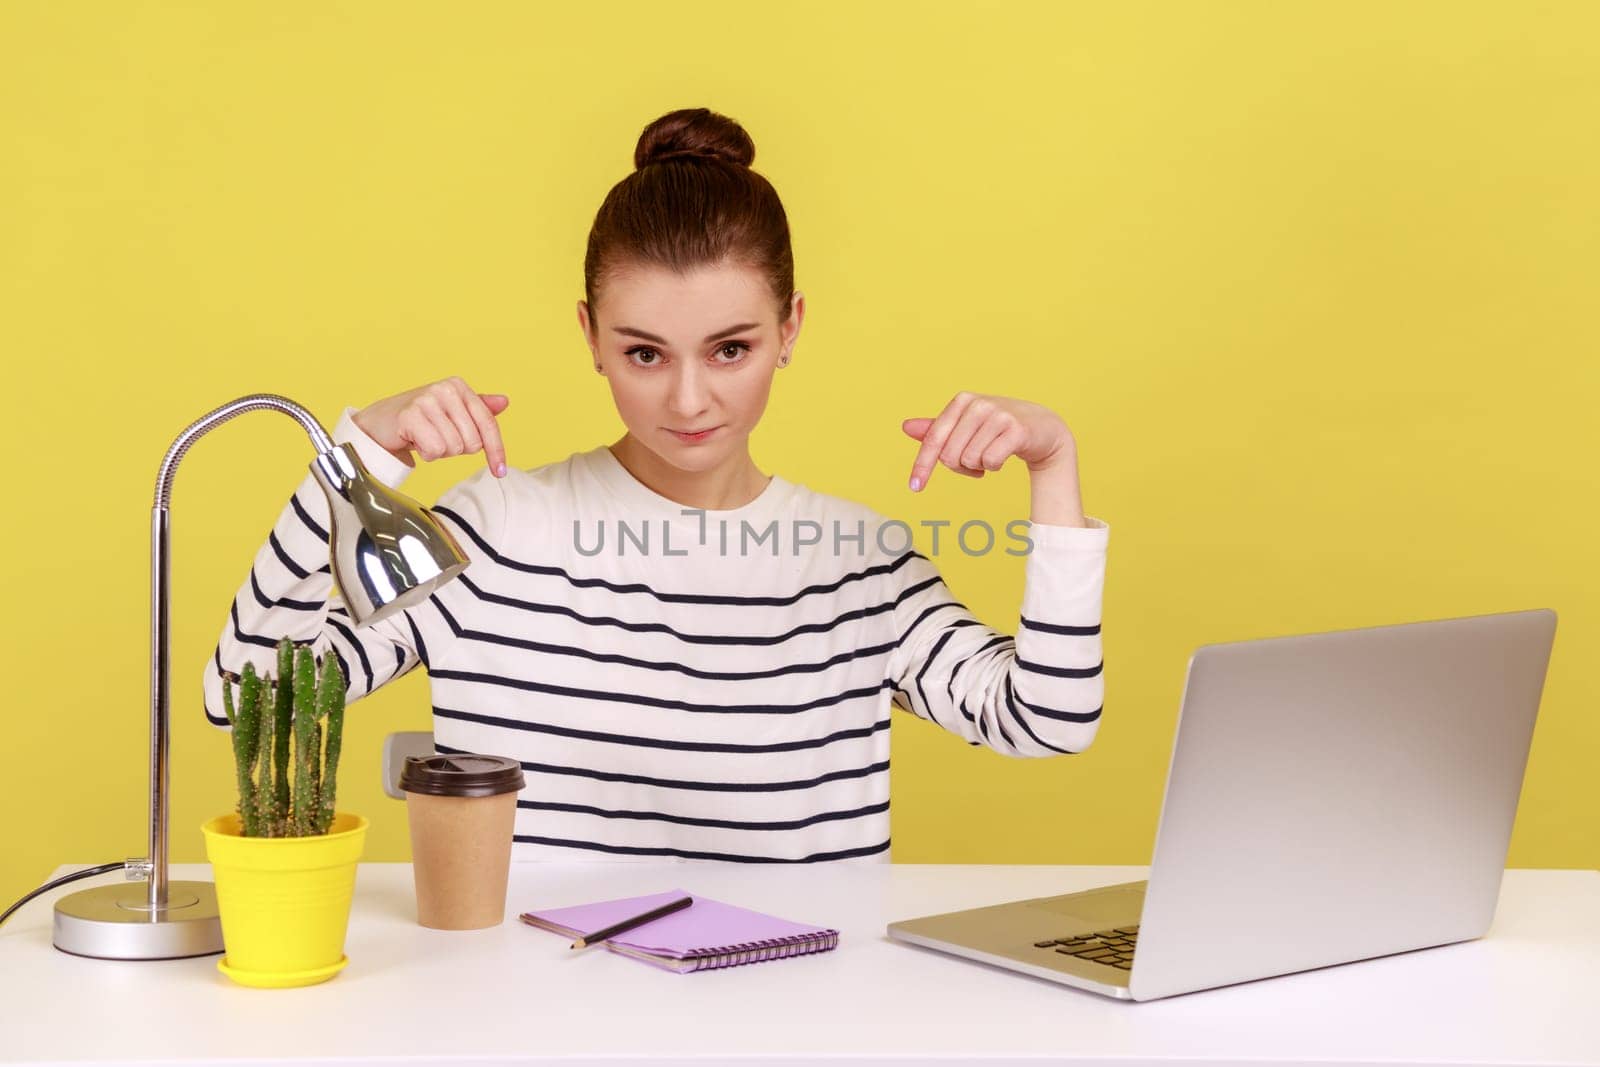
pixel 1114 904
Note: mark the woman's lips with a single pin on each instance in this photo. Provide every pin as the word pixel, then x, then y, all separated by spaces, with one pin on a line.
pixel 692 437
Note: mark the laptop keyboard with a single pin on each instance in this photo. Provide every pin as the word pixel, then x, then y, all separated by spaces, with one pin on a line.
pixel 1113 947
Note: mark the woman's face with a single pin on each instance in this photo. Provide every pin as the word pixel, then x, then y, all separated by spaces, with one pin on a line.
pixel 692 352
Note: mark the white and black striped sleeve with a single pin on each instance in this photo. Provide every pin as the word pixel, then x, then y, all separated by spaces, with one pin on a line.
pixel 289 590
pixel 1036 694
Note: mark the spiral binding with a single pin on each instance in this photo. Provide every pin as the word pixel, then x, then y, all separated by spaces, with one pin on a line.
pixel 774 948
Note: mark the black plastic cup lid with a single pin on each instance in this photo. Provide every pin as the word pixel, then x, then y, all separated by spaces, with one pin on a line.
pixel 469 774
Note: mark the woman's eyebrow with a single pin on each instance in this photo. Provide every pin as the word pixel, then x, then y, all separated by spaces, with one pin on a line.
pixel 719 335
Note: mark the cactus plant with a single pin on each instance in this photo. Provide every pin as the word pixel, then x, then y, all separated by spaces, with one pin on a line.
pixel 266 795
pixel 270 714
pixel 334 710
pixel 283 728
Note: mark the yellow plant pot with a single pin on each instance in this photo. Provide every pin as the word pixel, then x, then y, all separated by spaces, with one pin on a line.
pixel 284 902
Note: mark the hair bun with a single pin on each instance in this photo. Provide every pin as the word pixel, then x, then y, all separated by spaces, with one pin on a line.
pixel 694 133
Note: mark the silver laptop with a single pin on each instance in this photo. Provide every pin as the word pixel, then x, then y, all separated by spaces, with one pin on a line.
pixel 1332 797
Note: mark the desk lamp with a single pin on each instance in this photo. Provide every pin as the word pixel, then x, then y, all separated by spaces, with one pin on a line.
pixel 386 552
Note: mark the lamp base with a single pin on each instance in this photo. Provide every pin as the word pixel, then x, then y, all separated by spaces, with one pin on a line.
pixel 114 922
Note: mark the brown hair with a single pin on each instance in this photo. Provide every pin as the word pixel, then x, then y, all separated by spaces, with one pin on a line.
pixel 692 201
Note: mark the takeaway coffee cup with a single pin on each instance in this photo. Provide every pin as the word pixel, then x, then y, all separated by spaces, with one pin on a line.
pixel 461 811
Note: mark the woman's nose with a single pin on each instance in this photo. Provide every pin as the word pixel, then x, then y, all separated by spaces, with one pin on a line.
pixel 689 394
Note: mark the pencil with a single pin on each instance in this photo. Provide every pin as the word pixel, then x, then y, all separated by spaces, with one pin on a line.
pixel 628 924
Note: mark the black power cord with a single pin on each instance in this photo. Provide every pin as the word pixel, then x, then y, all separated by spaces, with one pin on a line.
pixel 63 880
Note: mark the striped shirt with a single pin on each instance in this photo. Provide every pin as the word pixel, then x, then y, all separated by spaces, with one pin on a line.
pixel 689 684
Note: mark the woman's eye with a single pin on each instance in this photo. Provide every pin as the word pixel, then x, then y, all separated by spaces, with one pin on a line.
pixel 739 348
pixel 642 351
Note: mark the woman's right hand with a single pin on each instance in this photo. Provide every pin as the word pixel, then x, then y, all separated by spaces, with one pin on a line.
pixel 443 418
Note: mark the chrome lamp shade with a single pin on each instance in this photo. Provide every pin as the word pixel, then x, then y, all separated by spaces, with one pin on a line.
pixel 386 553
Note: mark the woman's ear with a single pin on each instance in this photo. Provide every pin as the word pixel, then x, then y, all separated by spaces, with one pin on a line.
pixel 791 327
pixel 587 326
pixel 583 323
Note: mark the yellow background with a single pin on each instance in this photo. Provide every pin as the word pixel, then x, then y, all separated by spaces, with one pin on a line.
pixel 1313 284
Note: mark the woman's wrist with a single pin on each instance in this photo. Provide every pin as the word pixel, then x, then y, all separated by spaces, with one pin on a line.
pixel 404 456
pixel 1056 497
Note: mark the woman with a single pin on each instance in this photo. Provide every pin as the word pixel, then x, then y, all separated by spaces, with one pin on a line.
pixel 691 658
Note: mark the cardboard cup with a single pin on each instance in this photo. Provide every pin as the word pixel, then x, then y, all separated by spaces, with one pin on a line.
pixel 461 857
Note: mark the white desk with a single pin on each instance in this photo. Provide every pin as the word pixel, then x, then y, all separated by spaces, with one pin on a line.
pixel 1528 993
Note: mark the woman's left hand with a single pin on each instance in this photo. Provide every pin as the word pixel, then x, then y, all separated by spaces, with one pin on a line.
pixel 977 432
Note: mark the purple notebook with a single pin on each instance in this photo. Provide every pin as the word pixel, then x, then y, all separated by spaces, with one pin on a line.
pixel 708 933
